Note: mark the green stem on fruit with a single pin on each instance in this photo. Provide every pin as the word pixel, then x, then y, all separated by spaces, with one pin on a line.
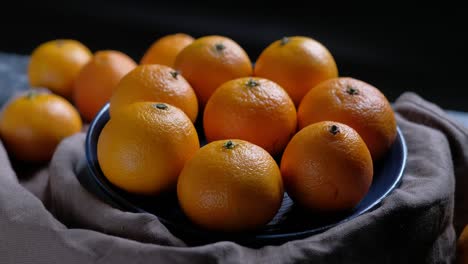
pixel 175 74
pixel 252 83
pixel 284 41
pixel 229 144
pixel 31 94
pixel 219 47
pixel 352 91
pixel 334 129
pixel 161 106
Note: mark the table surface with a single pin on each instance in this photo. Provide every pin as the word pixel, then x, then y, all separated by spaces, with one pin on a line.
pixel 13 79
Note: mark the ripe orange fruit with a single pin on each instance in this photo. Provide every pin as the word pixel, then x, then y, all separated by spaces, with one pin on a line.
pixel 164 50
pixel 143 149
pixel 230 185
pixel 355 103
pixel 252 109
pixel 32 125
pixel 297 64
pixel 211 61
pixel 55 65
pixel 462 246
pixel 155 83
pixel 326 167
pixel 97 80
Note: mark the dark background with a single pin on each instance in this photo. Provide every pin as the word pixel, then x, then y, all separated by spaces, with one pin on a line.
pixel 396 48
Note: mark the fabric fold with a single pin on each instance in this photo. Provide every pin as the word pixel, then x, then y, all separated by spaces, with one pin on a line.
pixel 414 224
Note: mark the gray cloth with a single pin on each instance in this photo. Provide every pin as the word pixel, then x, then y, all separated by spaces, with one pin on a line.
pixel 48 217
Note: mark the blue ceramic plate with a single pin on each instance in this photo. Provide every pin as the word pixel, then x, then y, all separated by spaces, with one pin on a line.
pixel 291 222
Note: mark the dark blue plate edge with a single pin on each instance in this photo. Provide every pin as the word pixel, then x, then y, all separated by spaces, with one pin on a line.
pixel 365 210
pixel 92 166
pixel 287 236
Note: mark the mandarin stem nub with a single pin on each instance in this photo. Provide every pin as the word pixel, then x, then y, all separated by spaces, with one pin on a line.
pixel 252 83
pixel 175 74
pixel 31 94
pixel 161 106
pixel 220 46
pixel 229 144
pixel 351 90
pixel 334 129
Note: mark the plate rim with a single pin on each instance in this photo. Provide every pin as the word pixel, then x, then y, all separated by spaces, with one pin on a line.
pixel 127 205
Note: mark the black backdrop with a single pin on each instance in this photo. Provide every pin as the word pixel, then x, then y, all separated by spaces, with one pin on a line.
pixel 395 48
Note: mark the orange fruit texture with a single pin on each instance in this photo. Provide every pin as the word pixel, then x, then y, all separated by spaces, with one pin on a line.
pixel 230 185
pixel 55 65
pixel 97 80
pixel 297 64
pixel 462 246
pixel 155 83
pixel 144 147
pixel 327 167
pixel 32 125
pixel 355 103
pixel 164 50
pixel 211 61
pixel 253 109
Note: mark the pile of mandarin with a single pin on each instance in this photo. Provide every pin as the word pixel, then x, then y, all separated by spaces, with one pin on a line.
pixel 287 122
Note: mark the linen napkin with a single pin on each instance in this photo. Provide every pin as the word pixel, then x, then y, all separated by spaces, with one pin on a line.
pixel 48 216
